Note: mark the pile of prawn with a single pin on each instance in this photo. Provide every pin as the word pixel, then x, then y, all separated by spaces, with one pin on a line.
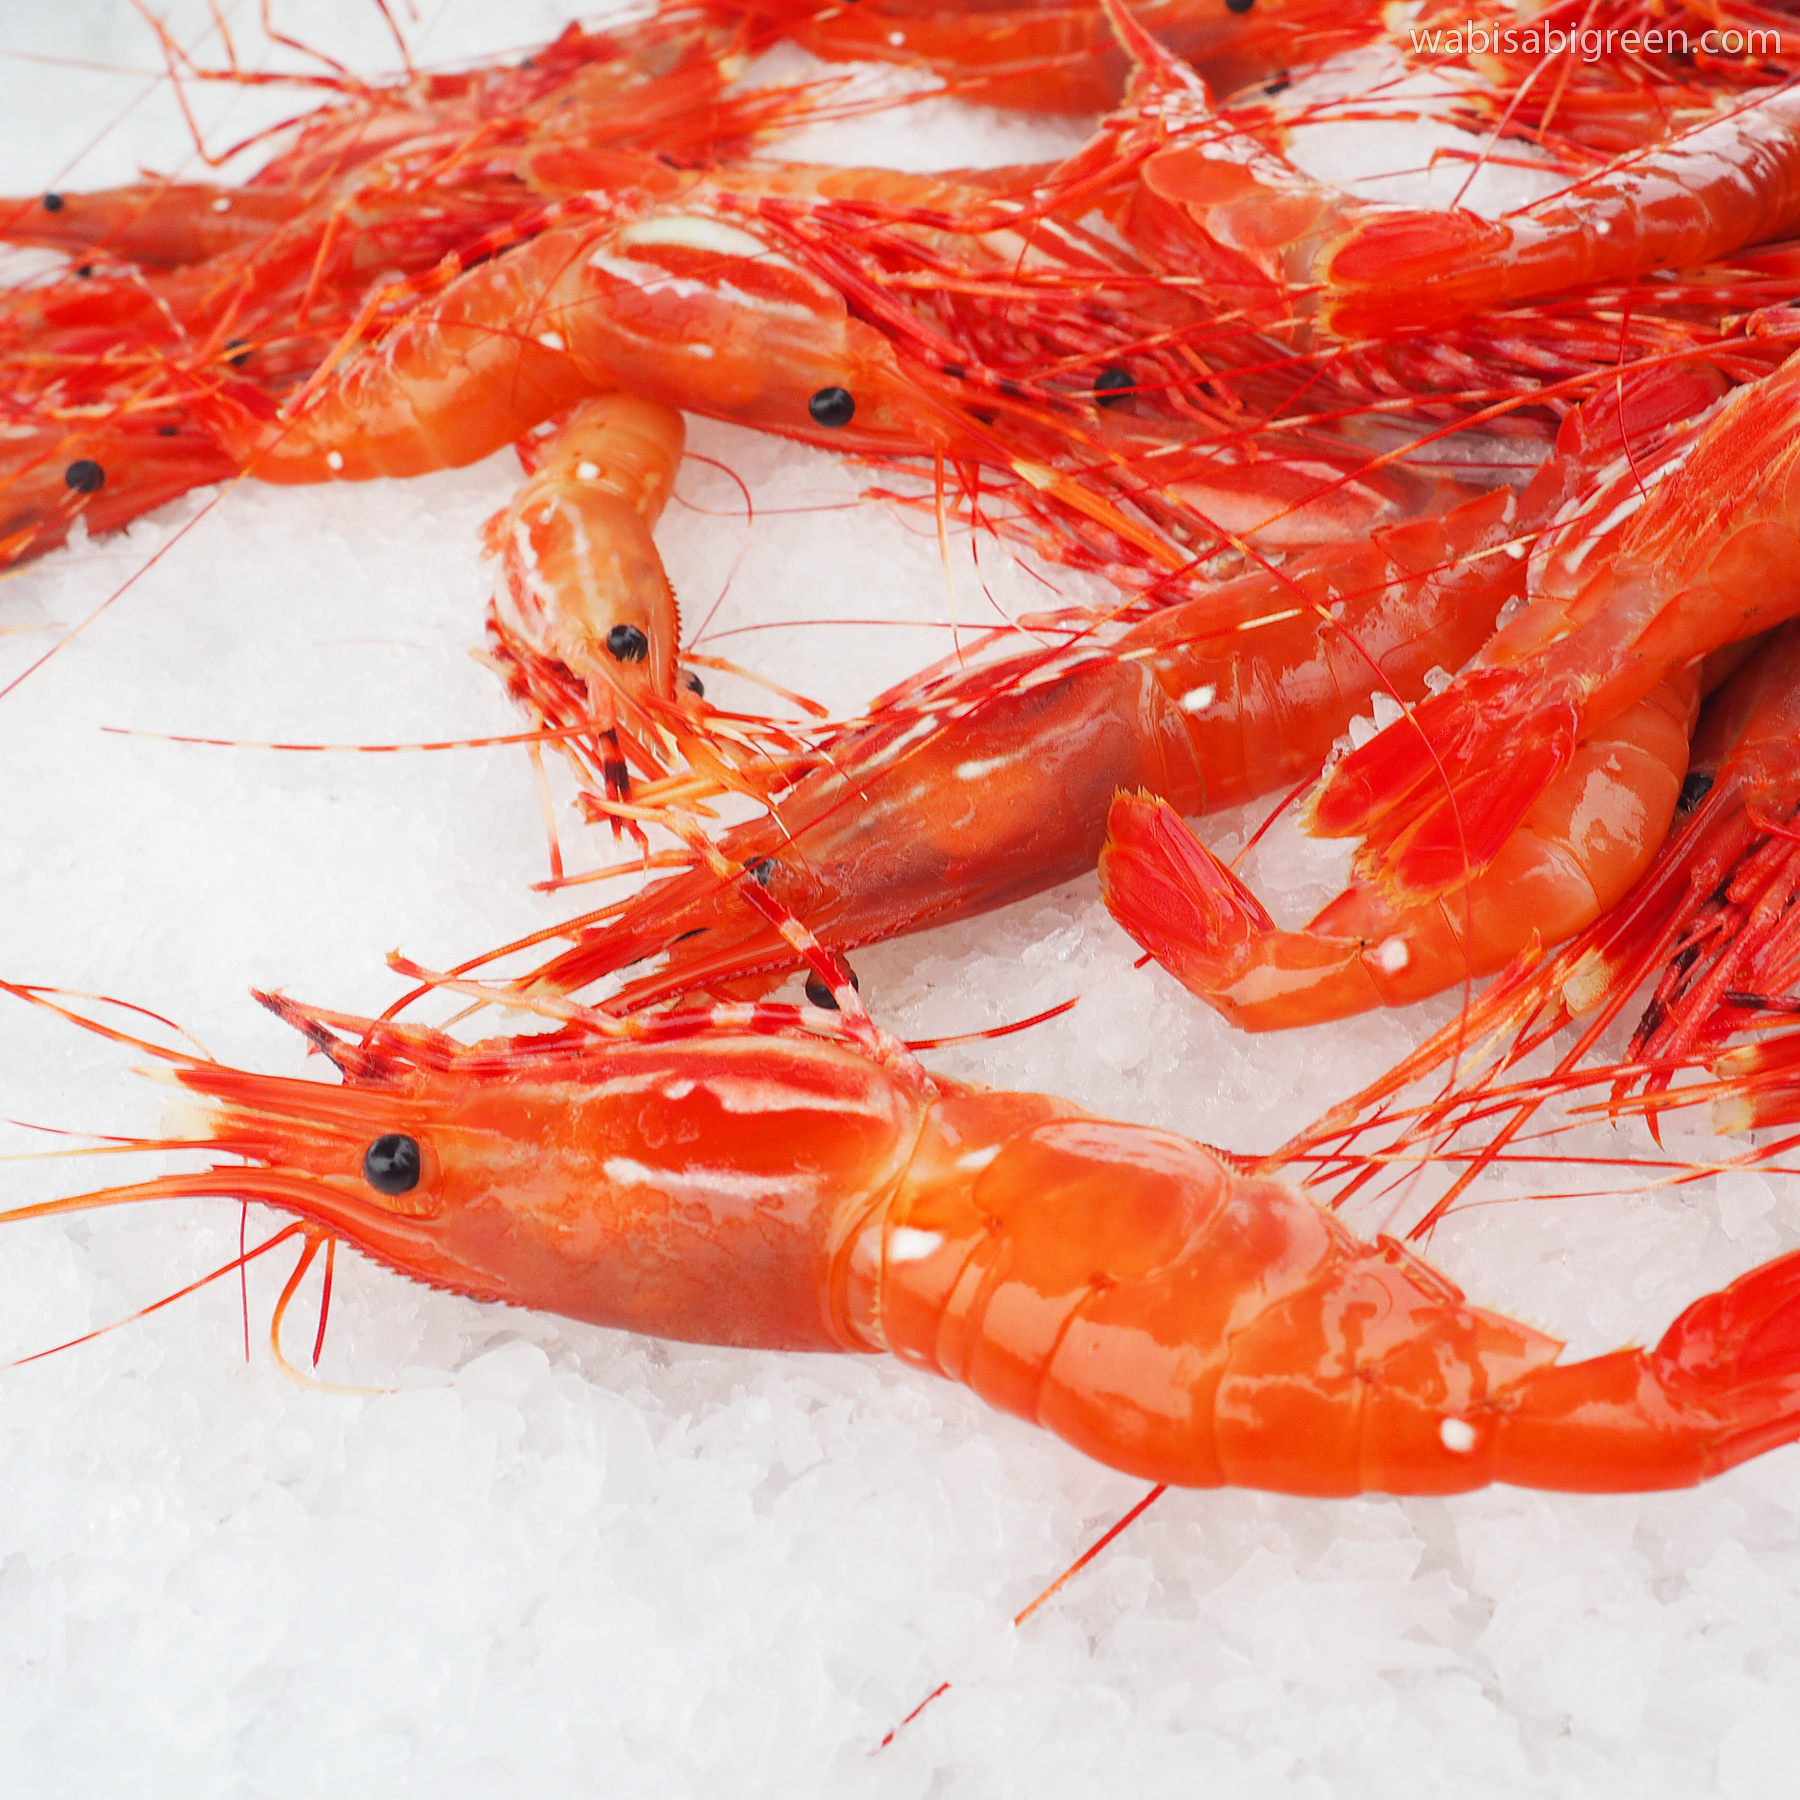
pixel 1527 486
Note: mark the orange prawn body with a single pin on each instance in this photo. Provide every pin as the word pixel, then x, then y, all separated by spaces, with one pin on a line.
pixel 580 580
pixel 764 1178
pixel 682 307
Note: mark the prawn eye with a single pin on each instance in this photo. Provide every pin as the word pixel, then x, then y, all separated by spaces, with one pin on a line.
pixel 1113 385
pixel 1694 789
pixel 625 643
pixel 85 476
pixel 391 1164
pixel 693 683
pixel 832 407
pixel 820 994
pixel 1239 6
pixel 53 203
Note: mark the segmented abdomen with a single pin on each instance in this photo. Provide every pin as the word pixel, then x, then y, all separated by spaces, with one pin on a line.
pixel 1125 1289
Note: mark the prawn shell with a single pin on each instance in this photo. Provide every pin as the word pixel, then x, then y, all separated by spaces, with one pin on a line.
pixel 663 305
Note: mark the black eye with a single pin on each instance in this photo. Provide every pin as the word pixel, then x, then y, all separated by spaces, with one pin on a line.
pixel 832 407
pixel 85 271
pixel 821 995
pixel 53 203
pixel 1113 385
pixel 391 1164
pixel 1239 6
pixel 243 355
pixel 693 683
pixel 85 476
pixel 1695 789
pixel 625 643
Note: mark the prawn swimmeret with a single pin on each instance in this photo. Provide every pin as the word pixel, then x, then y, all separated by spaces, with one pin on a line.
pixel 1121 1286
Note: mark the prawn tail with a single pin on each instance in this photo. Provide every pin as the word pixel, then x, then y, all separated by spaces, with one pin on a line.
pixel 1722 1386
pixel 1176 898
pixel 1436 795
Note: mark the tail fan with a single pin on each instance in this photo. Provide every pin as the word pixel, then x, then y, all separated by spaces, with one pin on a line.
pixel 1737 1353
pixel 1436 795
pixel 1722 1386
pixel 1748 1331
pixel 1175 897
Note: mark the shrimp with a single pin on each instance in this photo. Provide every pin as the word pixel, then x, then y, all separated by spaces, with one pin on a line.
pixel 1589 836
pixel 579 573
pixel 991 783
pixel 1697 546
pixel 1237 692
pixel 1064 57
pixel 778 1178
pixel 1212 199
